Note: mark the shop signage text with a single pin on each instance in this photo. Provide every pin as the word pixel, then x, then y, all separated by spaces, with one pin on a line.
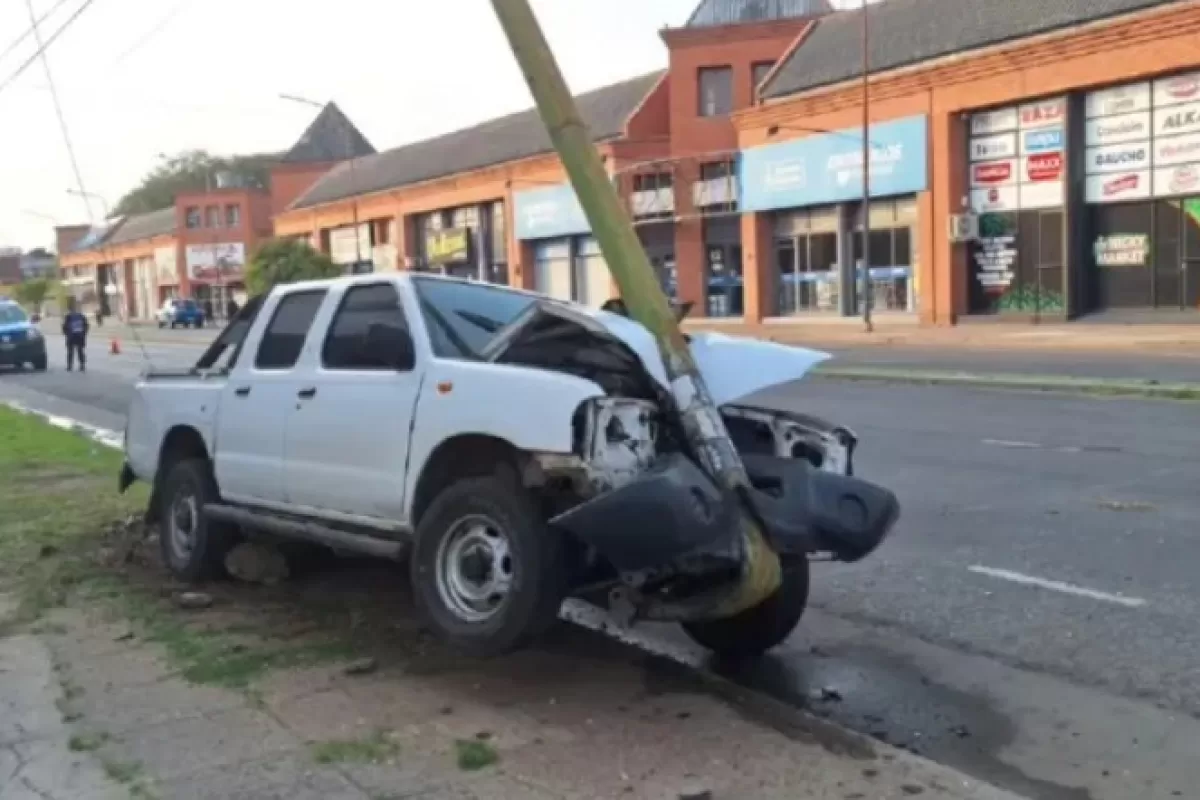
pixel 1119 100
pixel 994 173
pixel 1177 119
pixel 1125 128
pixel 827 168
pixel 1003 145
pixel 995 257
pixel 548 212
pixel 987 122
pixel 1043 112
pixel 1044 167
pixel 1184 179
pixel 1177 150
pixel 213 262
pixel 1118 158
pixel 1177 89
pixel 1043 141
pixel 448 246
pixel 1119 187
pixel 1122 250
pixel 1001 182
pixel 995 199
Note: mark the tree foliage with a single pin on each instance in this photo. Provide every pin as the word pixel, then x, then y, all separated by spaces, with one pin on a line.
pixel 33 293
pixel 191 171
pixel 287 261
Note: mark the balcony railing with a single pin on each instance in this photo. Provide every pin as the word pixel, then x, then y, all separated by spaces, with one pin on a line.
pixel 715 192
pixel 652 202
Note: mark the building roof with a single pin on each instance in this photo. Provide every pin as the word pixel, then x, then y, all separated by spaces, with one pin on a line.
pixel 329 137
pixel 516 136
pixel 713 13
pixel 144 226
pixel 910 31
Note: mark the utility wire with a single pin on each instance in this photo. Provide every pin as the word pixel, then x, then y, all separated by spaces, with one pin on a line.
pixel 42 47
pixel 62 120
pixel 150 34
pixel 17 42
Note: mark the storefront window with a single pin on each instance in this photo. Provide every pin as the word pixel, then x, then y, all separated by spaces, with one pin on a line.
pixel 1017 263
pixel 723 266
pixel 890 260
pixel 1146 255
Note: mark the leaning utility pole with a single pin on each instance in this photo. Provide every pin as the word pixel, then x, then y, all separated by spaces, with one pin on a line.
pixel 639 288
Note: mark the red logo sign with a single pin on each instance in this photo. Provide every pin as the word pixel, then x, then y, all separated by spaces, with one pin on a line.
pixel 1185 179
pixel 996 172
pixel 1044 167
pixel 1126 183
pixel 1183 88
pixel 1042 113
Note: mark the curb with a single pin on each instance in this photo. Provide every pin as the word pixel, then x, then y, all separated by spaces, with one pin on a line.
pixel 1038 383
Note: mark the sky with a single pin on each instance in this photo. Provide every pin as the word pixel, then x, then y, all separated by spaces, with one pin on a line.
pixel 140 78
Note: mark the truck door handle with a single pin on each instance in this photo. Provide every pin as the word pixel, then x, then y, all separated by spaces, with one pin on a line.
pixel 242 391
pixel 308 392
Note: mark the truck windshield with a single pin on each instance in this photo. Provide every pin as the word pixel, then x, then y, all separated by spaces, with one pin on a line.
pixel 464 317
pixel 12 315
pixel 223 353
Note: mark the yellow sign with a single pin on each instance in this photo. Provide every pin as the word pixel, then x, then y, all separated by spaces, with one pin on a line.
pixel 442 247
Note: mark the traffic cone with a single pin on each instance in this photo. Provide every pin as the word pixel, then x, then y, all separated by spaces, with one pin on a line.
pixel 114 346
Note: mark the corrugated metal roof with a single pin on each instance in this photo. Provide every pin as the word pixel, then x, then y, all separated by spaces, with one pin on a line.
pixel 497 141
pixel 905 32
pixel 145 226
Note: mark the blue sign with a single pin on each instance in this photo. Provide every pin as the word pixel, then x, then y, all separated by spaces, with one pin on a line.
pixel 1043 141
pixel 827 168
pixel 547 213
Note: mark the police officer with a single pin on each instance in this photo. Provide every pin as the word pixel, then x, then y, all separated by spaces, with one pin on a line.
pixel 75 330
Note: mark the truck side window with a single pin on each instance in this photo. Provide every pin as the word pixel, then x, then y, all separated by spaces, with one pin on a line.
pixel 361 307
pixel 283 340
pixel 464 317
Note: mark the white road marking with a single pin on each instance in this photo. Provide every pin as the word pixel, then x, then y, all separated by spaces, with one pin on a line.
pixel 1012 444
pixel 1058 586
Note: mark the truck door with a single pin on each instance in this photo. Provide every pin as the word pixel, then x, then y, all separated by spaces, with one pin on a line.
pixel 348 433
pixel 257 400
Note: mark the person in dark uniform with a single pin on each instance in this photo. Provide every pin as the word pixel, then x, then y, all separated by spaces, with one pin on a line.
pixel 75 331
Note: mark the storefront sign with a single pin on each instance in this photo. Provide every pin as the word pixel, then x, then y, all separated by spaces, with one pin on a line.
pixel 988 148
pixel 988 122
pixel 995 257
pixel 1043 112
pixel 1112 130
pixel 213 262
pixel 1043 167
pixel 1174 120
pixel 448 246
pixel 1042 141
pixel 1122 250
pixel 1171 181
pixel 166 266
pixel 1117 188
pixel 994 199
pixel 827 168
pixel 1119 100
pixel 994 173
pixel 1177 89
pixel 347 247
pixel 1118 158
pixel 1033 196
pixel 548 212
pixel 1173 150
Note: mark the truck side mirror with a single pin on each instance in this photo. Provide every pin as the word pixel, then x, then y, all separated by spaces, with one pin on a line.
pixel 390 346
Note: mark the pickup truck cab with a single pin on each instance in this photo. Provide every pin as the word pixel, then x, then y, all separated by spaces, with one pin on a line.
pixel 515 449
pixel 21 342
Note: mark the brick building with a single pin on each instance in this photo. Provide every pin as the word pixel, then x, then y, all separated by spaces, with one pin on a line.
pixel 1029 159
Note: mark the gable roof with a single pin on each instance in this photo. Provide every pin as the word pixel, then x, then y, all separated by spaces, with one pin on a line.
pixel 713 13
pixel 907 32
pixel 331 136
pixel 516 136
pixel 144 226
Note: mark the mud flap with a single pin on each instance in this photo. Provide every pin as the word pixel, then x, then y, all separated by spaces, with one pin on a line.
pixel 806 510
pixel 671 516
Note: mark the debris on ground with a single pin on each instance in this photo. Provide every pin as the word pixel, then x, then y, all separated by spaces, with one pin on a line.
pixel 255 562
pixel 362 666
pixel 193 601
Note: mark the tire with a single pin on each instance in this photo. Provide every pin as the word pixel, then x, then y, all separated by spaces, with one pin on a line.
pixel 210 540
pixel 40 365
pixel 462 519
pixel 757 630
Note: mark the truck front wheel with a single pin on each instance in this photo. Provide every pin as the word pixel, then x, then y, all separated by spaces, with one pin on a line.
pixel 486 570
pixel 193 546
pixel 756 630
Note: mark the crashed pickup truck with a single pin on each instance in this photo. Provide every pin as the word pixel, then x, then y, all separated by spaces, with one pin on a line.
pixel 515 449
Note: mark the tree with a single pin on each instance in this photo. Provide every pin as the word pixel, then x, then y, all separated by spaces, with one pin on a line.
pixel 287 261
pixel 33 293
pixel 191 171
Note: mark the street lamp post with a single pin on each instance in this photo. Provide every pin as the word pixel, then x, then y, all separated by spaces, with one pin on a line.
pixel 866 157
pixel 358 256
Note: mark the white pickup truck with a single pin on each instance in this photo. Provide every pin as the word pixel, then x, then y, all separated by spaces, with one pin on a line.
pixel 516 449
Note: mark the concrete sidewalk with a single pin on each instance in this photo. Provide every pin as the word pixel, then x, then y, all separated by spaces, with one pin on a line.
pixel 581 718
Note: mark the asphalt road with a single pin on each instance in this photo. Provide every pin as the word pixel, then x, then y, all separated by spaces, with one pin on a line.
pixel 1032 621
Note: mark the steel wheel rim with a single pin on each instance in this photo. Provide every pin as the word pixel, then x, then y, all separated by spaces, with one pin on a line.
pixel 474 569
pixel 184 521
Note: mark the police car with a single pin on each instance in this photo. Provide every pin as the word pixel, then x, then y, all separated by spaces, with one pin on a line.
pixel 20 341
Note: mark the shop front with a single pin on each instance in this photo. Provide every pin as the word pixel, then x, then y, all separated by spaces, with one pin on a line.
pixel 1143 195
pixel 216 273
pixel 812 189
pixel 166 275
pixel 1016 159
pixel 466 242
pixel 350 248
pixel 567 262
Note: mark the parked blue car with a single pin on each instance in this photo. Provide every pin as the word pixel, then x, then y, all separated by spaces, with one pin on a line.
pixel 177 313
pixel 20 340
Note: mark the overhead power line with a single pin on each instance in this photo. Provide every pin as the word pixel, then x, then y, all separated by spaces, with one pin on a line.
pixel 29 32
pixel 42 48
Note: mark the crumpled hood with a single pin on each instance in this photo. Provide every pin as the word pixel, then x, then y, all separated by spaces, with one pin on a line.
pixel 733 367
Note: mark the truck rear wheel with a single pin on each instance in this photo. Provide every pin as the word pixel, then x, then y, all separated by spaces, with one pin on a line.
pixel 486 571
pixel 193 546
pixel 756 630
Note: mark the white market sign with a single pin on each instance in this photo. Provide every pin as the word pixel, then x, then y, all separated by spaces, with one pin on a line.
pixel 1017 157
pixel 1117 188
pixel 1177 89
pixel 1122 250
pixel 1172 150
pixel 989 148
pixel 1134 97
pixel 1113 130
pixel 1175 120
pixel 1118 158
pixel 1172 181
pixel 989 122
